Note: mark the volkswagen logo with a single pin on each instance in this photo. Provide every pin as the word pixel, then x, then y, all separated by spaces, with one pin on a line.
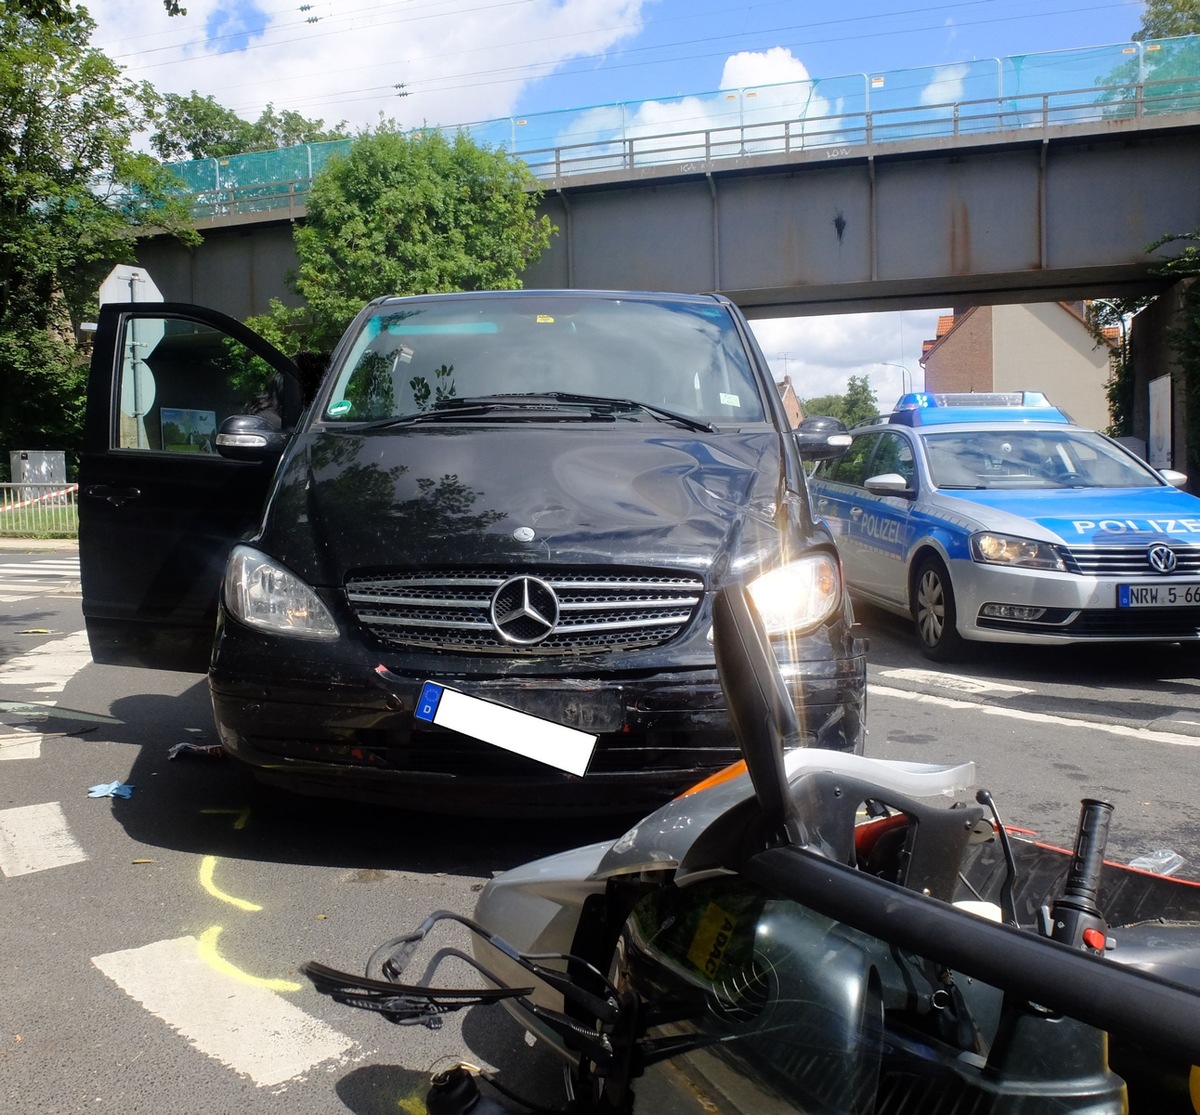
pixel 1162 559
pixel 524 611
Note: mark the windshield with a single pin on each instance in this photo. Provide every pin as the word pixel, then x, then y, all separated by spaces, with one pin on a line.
pixel 411 358
pixel 1030 458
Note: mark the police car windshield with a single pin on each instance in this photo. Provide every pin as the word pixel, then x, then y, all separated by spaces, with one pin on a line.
pixel 980 459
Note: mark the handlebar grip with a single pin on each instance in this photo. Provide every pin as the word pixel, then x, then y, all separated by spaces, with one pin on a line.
pixel 1075 917
pixel 1091 838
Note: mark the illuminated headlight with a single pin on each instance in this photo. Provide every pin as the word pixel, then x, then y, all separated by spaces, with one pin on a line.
pixel 799 596
pixel 262 593
pixel 1003 549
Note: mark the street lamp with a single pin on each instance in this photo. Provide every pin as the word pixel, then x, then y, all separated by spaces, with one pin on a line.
pixel 905 384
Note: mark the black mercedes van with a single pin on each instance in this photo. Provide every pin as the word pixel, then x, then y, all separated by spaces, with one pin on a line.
pixel 527 499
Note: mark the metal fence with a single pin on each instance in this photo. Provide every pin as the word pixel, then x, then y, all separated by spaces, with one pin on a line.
pixel 39 510
pixel 1088 85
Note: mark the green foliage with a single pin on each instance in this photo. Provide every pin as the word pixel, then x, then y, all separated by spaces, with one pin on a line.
pixel 70 192
pixel 1184 339
pixel 1119 389
pixel 1166 19
pixel 409 214
pixel 196 127
pixel 856 405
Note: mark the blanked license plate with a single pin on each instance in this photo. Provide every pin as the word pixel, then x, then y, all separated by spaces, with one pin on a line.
pixel 553 744
pixel 1158 596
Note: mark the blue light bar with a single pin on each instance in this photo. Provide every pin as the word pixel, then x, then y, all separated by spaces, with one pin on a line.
pixel 921 408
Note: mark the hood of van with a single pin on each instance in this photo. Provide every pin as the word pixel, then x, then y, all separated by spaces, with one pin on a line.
pixel 522 495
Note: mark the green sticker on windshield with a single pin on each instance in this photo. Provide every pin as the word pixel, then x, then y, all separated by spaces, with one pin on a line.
pixel 730 400
pixel 337 410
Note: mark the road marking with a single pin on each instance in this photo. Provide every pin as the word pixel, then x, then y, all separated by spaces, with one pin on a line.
pixel 208 952
pixel 206 881
pixel 246 1027
pixel 20 745
pixel 26 580
pixel 36 838
pixel 44 669
pixel 953 681
pixel 1149 735
pixel 47 668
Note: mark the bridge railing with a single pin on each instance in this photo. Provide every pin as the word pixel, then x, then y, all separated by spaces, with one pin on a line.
pixel 836 115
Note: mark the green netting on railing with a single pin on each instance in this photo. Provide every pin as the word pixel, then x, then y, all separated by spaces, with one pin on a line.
pixel 1090 84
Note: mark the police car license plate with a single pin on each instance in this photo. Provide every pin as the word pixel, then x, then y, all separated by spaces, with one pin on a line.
pixel 1158 596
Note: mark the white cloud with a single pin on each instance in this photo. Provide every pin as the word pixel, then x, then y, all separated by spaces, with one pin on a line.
pixel 459 60
pixel 822 353
pixel 948 85
pixel 758 92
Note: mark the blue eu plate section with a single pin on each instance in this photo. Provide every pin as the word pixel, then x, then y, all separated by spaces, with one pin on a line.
pixel 427 702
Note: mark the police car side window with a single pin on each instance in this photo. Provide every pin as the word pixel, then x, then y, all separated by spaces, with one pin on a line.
pixel 852 468
pixel 894 455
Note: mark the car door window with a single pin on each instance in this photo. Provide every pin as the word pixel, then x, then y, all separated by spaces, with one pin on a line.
pixel 179 380
pixel 894 455
pixel 852 468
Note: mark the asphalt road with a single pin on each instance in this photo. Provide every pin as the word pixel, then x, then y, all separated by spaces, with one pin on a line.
pixel 149 946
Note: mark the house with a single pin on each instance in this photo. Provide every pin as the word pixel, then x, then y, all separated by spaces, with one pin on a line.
pixel 1046 346
pixel 791 401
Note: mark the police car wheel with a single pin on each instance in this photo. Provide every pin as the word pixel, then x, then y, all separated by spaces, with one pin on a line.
pixel 933 611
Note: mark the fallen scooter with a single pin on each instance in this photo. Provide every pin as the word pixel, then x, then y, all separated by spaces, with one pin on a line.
pixel 826 933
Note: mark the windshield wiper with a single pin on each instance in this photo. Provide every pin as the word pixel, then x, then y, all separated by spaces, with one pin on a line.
pixel 630 404
pixel 480 405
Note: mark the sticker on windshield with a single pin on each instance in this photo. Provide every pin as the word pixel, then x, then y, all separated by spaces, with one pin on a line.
pixel 544 319
pixel 730 400
pixel 337 410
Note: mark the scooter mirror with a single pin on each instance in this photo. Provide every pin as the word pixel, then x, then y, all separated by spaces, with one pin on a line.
pixel 759 704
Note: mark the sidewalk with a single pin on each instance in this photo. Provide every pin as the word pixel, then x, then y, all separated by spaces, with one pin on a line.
pixel 38 545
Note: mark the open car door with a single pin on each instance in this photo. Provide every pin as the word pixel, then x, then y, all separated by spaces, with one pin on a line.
pixel 159 505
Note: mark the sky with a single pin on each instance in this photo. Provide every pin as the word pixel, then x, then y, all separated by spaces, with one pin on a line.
pixel 451 62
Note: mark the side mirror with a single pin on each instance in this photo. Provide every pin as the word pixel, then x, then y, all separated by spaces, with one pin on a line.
pixel 1175 479
pixel 250 437
pixel 759 704
pixel 821 438
pixel 888 484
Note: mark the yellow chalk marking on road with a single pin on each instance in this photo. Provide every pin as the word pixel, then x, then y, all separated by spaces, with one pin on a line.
pixel 242 815
pixel 206 881
pixel 207 950
pixel 412 1105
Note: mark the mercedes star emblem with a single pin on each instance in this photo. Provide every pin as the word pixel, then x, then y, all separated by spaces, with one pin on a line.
pixel 524 610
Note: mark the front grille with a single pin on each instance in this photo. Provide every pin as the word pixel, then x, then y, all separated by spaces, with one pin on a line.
pixel 599 611
pixel 1127 561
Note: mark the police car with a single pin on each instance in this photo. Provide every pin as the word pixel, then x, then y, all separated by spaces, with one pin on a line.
pixel 995 518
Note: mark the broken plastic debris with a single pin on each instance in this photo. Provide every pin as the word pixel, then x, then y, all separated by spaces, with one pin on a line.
pixel 208 750
pixel 1162 861
pixel 110 790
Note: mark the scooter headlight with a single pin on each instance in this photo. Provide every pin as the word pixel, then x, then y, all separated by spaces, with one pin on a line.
pixel 262 593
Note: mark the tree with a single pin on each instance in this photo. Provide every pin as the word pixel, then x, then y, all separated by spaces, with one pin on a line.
pixel 196 127
pixel 407 214
pixel 1167 19
pixel 71 190
pixel 857 404
pixel 61 11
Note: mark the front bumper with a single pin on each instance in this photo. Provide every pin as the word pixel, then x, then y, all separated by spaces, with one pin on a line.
pixel 1076 608
pixel 351 732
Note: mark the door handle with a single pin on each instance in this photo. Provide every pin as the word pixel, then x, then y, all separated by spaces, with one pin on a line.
pixel 113 494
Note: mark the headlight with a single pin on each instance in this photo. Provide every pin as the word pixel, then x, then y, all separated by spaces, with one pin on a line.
pixel 799 596
pixel 262 593
pixel 1002 549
